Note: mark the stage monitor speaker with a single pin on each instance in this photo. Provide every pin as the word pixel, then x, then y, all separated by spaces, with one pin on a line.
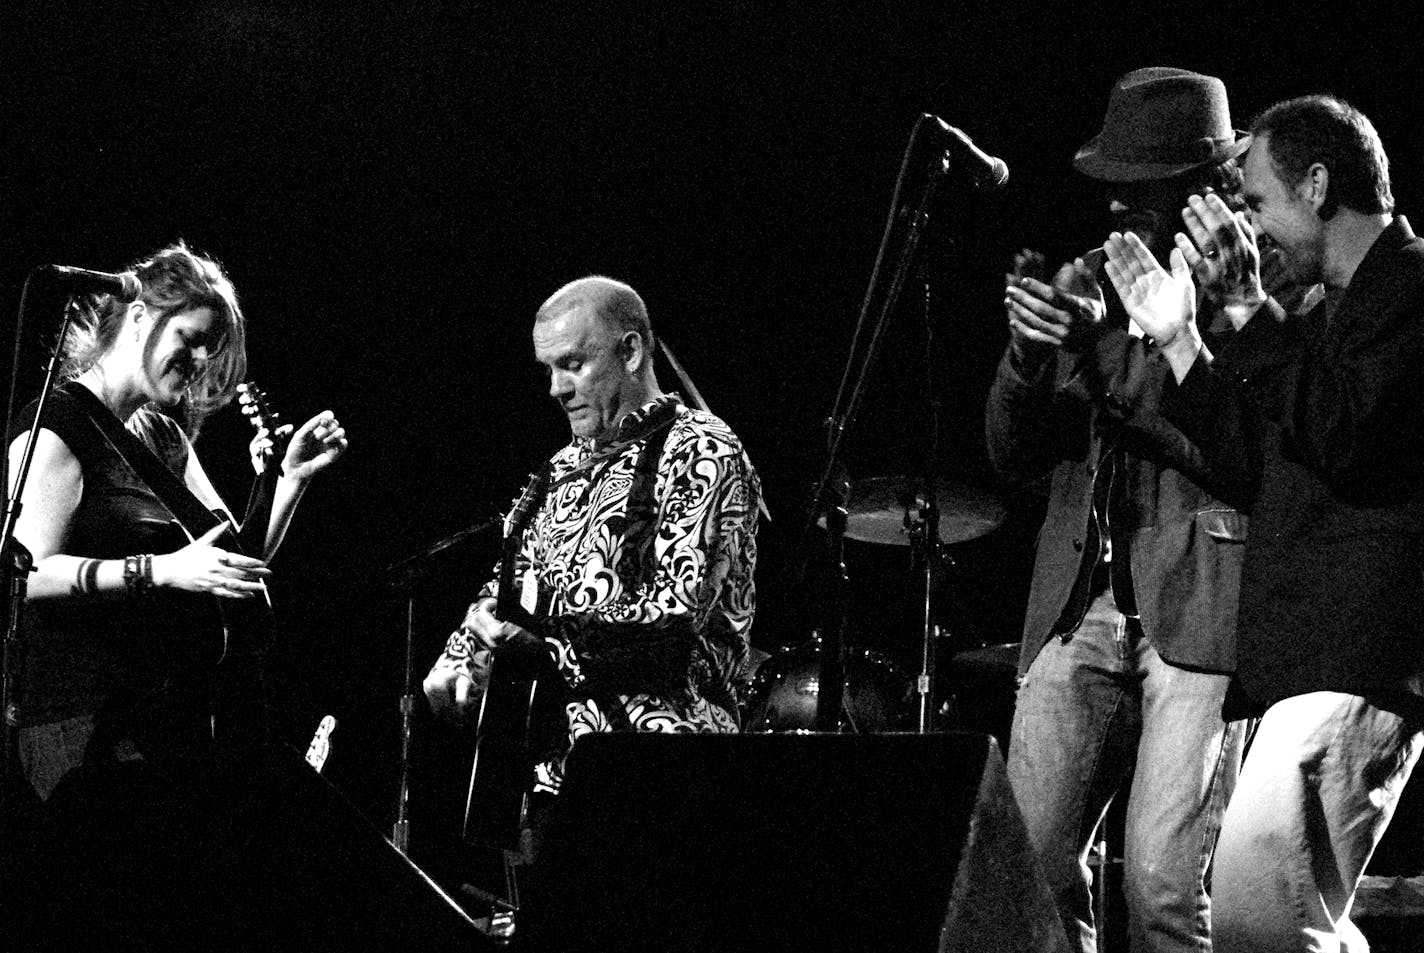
pixel 819 842
pixel 249 850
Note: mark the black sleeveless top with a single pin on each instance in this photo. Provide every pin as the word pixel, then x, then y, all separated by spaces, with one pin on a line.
pixel 142 666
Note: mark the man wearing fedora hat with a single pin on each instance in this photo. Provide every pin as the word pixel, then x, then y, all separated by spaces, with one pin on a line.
pixel 1320 417
pixel 1129 636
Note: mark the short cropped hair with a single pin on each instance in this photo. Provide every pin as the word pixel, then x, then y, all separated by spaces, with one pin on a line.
pixel 1327 130
pixel 612 300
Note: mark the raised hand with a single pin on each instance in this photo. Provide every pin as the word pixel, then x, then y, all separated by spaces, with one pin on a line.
pixel 1162 303
pixel 315 446
pixel 1222 254
pixel 1042 317
pixel 203 567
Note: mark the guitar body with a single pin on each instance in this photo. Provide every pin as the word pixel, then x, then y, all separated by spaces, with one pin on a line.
pixel 507 734
pixel 239 696
pixel 502 773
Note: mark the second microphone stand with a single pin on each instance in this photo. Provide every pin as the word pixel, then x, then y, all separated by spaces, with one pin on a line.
pixel 830 496
pixel 408 574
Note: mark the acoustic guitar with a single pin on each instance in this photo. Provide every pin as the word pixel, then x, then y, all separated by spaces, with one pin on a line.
pixel 505 737
pixel 240 714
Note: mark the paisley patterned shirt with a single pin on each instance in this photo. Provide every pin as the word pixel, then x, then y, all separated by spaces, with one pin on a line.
pixel 643 565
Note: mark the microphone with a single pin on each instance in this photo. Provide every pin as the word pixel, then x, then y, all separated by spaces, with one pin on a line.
pixel 986 171
pixel 124 286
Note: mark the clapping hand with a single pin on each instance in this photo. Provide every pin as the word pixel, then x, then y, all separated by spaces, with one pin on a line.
pixel 1163 303
pixel 1065 314
pixel 1223 255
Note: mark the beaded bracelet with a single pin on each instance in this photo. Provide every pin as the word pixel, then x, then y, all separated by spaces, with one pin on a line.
pixel 138 573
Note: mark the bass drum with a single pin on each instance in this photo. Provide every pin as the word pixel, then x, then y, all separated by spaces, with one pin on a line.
pixel 782 694
pixel 980 690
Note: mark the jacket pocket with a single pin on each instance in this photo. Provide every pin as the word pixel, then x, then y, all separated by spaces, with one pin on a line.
pixel 1223 525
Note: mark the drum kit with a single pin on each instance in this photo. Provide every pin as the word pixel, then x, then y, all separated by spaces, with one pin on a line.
pixel 780 690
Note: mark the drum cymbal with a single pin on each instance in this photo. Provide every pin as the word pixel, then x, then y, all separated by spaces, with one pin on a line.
pixel 876 511
pixel 1003 658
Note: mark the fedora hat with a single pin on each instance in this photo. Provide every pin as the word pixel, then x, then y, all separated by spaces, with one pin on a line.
pixel 1161 122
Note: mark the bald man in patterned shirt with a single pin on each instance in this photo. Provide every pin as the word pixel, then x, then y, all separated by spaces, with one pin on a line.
pixel 636 569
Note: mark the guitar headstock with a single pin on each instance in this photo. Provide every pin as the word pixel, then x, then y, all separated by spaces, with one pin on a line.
pixel 523 508
pixel 260 413
pixel 320 747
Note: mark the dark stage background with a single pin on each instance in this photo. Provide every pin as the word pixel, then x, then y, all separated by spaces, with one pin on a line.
pixel 395 187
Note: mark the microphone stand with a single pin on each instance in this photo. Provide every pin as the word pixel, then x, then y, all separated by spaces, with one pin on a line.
pixel 926 548
pixel 831 492
pixel 16 562
pixel 407 574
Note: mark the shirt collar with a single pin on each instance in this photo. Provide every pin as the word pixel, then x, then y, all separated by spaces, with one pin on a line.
pixel 632 420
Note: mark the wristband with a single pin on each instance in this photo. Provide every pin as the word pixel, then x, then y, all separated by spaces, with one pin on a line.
pixel 138 573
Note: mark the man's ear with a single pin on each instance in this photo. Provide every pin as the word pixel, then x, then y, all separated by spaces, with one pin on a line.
pixel 1316 190
pixel 136 315
pixel 631 351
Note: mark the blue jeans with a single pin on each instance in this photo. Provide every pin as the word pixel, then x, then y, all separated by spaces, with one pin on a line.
pixel 1317 792
pixel 1091 711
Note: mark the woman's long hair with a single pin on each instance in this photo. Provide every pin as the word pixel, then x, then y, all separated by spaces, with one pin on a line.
pixel 174 280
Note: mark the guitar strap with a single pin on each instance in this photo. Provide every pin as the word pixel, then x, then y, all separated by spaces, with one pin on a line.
pixel 196 518
pixel 244 716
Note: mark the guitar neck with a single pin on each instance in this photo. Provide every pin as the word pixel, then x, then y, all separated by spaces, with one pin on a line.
pixel 252 539
pixel 507 600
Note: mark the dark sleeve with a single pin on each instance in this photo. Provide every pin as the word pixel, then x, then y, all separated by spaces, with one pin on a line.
pixel 1358 393
pixel 1345 390
pixel 1029 422
pixel 1223 406
pixel 1033 422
